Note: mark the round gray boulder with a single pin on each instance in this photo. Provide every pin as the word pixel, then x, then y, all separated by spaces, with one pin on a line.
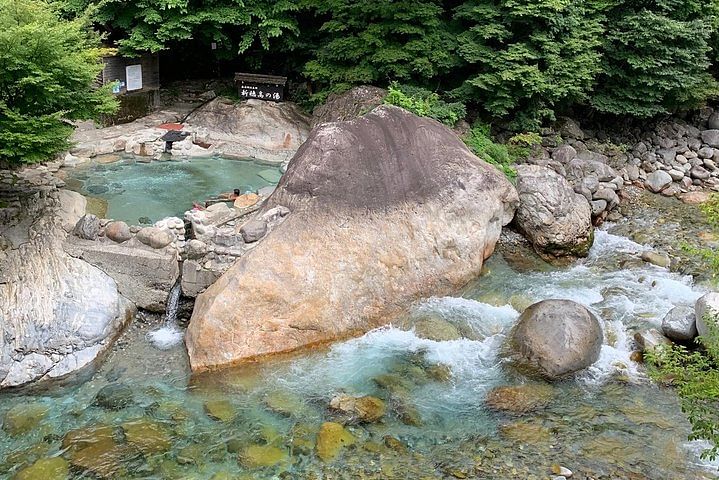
pixel 658 181
pixel 155 237
pixel 555 338
pixel 680 324
pixel 555 219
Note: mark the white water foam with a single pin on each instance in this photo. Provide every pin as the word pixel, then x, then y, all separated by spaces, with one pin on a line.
pixel 166 337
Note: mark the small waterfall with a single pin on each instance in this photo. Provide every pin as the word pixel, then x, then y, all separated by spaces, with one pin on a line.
pixel 169 334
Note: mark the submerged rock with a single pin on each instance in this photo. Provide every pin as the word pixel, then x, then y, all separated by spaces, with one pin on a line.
pixel 519 399
pixel 555 338
pixel 658 259
pixel 256 456
pixel 386 209
pixel 24 417
pixel 221 410
pixel 115 396
pixel 147 436
pixel 331 439
pixel 53 468
pixel 364 409
pixel 556 220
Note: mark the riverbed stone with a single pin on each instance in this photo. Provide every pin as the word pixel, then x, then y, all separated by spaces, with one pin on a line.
pixel 555 219
pixel 707 305
pixel 564 153
pixel 118 231
pixel 680 323
pixel 258 456
pixel 437 329
pixel 364 409
pixel 520 399
pixel 72 207
pixel 396 199
pixel 52 468
pixel 221 410
pixel 651 339
pixel 555 338
pixel 711 137
pixel 24 417
pixel 656 258
pixel 148 436
pixel 115 396
pixel 331 439
pixel 658 181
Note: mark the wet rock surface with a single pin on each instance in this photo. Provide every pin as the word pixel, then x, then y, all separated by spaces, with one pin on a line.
pixel 413 169
pixel 555 338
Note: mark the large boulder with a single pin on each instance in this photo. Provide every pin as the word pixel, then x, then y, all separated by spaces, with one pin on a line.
pixel 554 338
pixel 253 128
pixel 551 215
pixel 58 314
pixel 385 209
pixel 348 105
pixel 706 306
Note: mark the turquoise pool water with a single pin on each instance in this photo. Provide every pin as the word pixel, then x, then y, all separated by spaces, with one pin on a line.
pixel 140 192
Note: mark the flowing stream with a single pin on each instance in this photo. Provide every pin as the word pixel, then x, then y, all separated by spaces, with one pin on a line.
pixel 261 421
pixel 170 333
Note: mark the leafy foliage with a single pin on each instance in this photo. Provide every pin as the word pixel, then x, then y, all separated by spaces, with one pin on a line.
pixel 425 103
pixel 710 209
pixel 528 57
pixel 695 374
pixel 656 57
pixel 373 41
pixel 48 70
pixel 152 25
pixel 479 141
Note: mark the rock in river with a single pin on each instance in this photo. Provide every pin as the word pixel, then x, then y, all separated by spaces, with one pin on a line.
pixel 386 209
pixel 555 338
pixel 554 218
pixel 680 324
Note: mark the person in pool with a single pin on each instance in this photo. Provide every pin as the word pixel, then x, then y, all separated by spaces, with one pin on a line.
pixel 229 196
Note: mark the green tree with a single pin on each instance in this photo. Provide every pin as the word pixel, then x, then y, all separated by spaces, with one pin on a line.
pixel 656 57
pixel 48 68
pixel 153 25
pixel 526 58
pixel 375 41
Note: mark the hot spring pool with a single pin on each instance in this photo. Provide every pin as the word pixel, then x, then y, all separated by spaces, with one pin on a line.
pixel 139 192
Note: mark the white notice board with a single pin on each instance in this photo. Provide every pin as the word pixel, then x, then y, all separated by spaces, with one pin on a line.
pixel 133 74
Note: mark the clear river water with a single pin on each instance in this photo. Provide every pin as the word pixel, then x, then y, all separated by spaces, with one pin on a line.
pixel 261 421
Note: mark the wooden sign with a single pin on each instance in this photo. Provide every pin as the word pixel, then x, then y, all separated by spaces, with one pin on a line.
pixel 260 87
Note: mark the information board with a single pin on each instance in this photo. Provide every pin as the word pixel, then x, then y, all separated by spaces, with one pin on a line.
pixel 133 74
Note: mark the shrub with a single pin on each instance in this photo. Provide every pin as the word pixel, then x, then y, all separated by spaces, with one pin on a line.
pixel 424 103
pixel 479 141
pixel 48 69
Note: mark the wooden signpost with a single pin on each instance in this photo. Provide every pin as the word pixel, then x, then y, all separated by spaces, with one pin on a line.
pixel 260 87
